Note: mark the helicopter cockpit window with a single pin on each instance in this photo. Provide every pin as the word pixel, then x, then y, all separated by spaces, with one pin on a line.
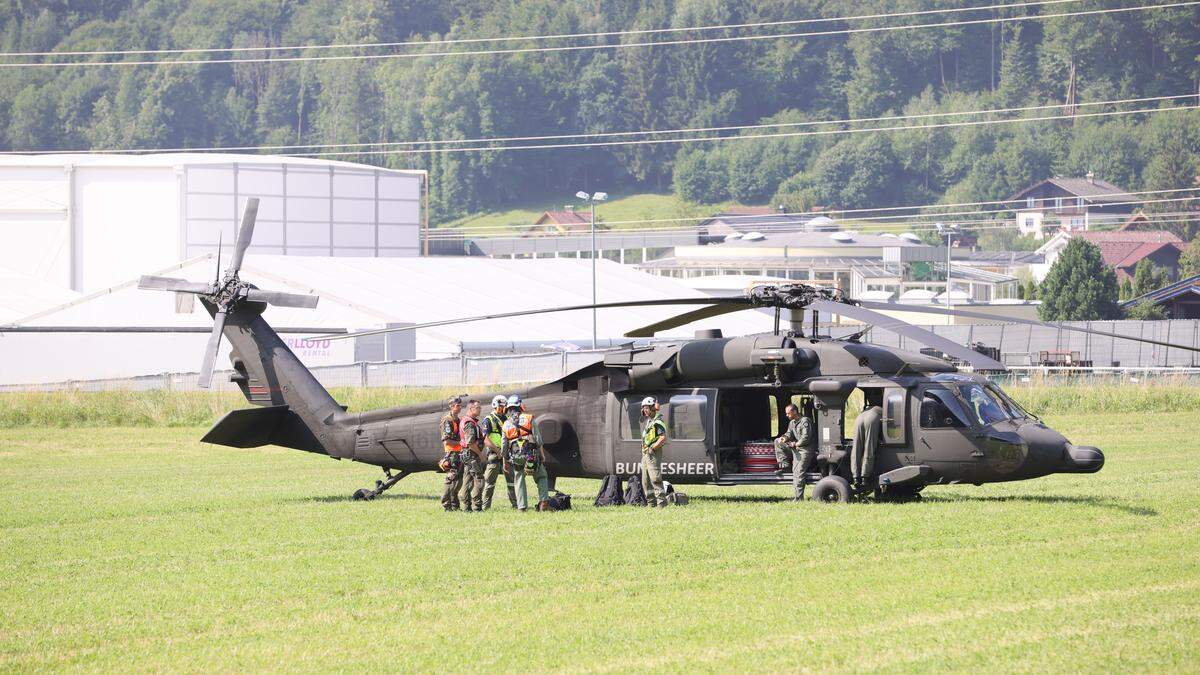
pixel 685 417
pixel 983 405
pixel 940 410
pixel 1014 409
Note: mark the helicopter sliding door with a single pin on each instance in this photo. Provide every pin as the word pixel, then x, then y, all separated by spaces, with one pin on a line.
pixel 688 457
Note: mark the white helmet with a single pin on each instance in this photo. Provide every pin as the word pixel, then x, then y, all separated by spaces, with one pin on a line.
pixel 498 401
pixel 515 401
pixel 650 401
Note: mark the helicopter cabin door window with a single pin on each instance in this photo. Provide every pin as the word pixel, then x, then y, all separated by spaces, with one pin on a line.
pixel 893 416
pixel 940 410
pixel 685 417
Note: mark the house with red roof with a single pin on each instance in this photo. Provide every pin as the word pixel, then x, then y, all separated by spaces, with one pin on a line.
pixel 562 222
pixel 1122 250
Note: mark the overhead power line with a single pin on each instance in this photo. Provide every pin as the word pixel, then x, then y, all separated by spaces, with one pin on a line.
pixel 531 38
pixel 573 48
pixel 954 216
pixel 609 134
pixel 740 137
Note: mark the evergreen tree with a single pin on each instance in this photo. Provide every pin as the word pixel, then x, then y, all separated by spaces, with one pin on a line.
pixel 1018 66
pixel 1079 287
pixel 1189 262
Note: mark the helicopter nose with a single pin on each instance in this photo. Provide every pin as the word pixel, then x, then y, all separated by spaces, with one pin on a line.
pixel 1082 459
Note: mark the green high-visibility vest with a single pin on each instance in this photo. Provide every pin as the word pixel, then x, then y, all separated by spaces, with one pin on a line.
pixel 655 429
pixel 496 435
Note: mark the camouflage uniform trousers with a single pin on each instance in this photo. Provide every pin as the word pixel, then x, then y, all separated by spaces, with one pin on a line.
pixel 453 482
pixel 471 492
pixel 493 471
pixel 540 476
pixel 652 478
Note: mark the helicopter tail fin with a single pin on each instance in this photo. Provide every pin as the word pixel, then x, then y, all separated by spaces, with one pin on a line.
pixel 296 409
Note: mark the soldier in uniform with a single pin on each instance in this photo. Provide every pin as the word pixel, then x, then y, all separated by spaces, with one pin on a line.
pixel 654 439
pixel 471 493
pixel 867 429
pixel 525 455
pixel 497 464
pixel 452 461
pixel 796 444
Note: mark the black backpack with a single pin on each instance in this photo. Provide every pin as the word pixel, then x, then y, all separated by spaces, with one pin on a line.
pixel 634 496
pixel 610 493
pixel 560 501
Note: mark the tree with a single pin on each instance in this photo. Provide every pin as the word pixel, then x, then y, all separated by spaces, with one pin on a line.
pixel 1189 262
pixel 1146 311
pixel 1148 277
pixel 1126 289
pixel 1079 287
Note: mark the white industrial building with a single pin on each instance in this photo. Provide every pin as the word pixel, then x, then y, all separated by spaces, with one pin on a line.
pixel 356 293
pixel 89 221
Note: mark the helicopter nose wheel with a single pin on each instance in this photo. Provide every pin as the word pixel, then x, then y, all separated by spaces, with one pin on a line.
pixel 832 489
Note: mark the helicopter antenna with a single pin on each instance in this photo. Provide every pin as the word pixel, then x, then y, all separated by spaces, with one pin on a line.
pixel 217 281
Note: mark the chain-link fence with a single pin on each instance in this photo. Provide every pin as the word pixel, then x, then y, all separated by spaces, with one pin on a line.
pixel 1022 349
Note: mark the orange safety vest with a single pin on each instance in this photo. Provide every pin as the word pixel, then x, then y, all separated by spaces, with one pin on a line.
pixel 450 437
pixel 520 427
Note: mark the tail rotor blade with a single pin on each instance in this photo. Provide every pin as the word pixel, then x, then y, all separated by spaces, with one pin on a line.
pixel 282 299
pixel 244 235
pixel 210 352
pixel 153 283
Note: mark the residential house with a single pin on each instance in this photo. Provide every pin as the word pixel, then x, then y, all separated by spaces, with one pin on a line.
pixel 567 221
pixel 1071 204
pixel 1179 300
pixel 1123 249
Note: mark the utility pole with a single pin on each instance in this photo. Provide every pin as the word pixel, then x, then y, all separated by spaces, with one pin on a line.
pixel 592 199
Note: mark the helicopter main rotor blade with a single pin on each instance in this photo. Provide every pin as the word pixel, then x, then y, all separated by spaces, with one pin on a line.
pixel 210 352
pixel 725 306
pixel 244 235
pixel 280 299
pixel 945 311
pixel 901 327
pixel 150 282
pixel 528 312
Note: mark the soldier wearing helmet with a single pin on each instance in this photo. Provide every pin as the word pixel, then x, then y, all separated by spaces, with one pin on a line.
pixel 654 439
pixel 452 459
pixel 523 447
pixel 493 439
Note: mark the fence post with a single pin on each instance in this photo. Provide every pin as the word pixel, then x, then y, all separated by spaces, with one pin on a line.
pixel 362 374
pixel 463 367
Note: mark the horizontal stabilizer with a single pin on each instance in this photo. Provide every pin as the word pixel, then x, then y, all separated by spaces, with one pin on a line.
pixel 249 428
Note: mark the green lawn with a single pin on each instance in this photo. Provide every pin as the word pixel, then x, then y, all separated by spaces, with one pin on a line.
pixel 141 549
pixel 618 208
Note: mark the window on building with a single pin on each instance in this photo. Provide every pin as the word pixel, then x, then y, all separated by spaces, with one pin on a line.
pixel 1079 202
pixel 1058 202
pixel 1030 203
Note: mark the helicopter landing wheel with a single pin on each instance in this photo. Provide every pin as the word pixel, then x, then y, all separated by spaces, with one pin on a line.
pixel 362 494
pixel 832 489
pixel 381 486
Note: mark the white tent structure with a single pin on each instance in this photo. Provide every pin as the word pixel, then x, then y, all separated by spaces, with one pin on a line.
pixel 88 221
pixel 356 293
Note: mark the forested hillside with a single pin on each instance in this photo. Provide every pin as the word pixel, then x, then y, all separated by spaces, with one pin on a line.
pixel 786 80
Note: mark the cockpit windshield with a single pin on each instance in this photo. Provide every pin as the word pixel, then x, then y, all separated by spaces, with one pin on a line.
pixel 983 404
pixel 1012 406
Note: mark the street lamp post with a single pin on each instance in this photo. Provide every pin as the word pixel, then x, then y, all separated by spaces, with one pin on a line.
pixel 592 199
pixel 949 231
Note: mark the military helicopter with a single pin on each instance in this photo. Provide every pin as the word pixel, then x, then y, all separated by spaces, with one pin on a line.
pixel 718 394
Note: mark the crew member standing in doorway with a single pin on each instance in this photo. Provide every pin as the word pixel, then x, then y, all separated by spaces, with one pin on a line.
pixel 452 461
pixel 796 444
pixel 867 429
pixel 654 439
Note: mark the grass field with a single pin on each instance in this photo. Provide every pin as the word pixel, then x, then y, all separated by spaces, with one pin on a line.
pixel 618 208
pixel 140 549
